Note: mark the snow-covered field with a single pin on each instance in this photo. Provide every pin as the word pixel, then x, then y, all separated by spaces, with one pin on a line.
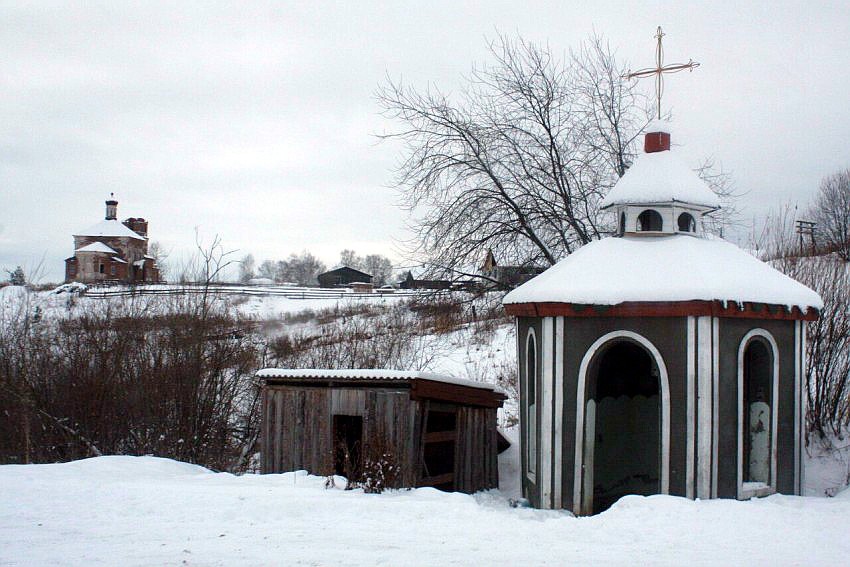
pixel 151 511
pixel 252 303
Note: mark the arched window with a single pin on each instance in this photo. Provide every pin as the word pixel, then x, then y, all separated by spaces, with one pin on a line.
pixel 531 401
pixel 622 228
pixel 649 220
pixel 687 223
pixel 758 376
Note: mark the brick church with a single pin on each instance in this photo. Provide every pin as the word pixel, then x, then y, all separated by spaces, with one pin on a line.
pixel 112 251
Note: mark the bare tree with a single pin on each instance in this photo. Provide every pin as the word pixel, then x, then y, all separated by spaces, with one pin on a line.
pixel 160 256
pixel 300 268
pixel 831 212
pixel 519 161
pixel 720 181
pixel 349 258
pixel 828 347
pixel 246 268
pixel 268 269
pixel 379 267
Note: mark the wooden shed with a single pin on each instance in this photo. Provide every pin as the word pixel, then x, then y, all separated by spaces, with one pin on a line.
pixel 439 431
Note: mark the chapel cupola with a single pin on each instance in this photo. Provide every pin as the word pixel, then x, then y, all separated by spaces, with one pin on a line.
pixel 660 195
pixel 111 207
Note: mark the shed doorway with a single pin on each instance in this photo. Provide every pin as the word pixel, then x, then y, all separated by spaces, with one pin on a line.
pixel 623 426
pixel 348 442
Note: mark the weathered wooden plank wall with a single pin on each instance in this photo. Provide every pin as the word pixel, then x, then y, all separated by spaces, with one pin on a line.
pixel 492 448
pixel 476 453
pixel 389 425
pixel 348 401
pixel 298 432
pixel 298 427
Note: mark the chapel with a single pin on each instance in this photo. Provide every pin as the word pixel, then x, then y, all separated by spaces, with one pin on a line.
pixel 661 360
pixel 112 251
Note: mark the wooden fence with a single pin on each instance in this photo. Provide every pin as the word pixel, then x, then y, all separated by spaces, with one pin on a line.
pixel 108 291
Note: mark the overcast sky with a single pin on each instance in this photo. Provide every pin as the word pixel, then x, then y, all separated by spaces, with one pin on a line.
pixel 256 121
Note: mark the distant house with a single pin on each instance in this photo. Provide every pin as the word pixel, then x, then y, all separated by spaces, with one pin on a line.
pixel 112 250
pixel 507 277
pixel 342 277
pixel 410 282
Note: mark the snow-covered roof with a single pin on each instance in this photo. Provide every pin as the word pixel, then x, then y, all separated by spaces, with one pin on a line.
pixel 372 374
pixel 111 227
pixel 660 177
pixel 663 268
pixel 96 247
pixel 657 125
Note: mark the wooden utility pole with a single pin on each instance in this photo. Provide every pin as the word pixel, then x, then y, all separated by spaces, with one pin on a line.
pixel 806 228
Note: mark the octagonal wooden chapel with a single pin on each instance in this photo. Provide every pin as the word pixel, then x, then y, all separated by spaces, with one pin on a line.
pixel 662 360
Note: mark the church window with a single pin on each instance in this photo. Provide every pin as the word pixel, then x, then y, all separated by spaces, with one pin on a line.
pixel 687 223
pixel 531 397
pixel 622 228
pixel 112 269
pixel 101 269
pixel 649 220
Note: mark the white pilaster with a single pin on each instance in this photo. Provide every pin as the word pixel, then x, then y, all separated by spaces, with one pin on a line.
pixel 704 406
pixel 544 475
pixel 690 396
pixel 558 426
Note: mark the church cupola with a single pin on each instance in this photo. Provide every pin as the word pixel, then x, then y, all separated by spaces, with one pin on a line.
pixel 111 207
pixel 659 194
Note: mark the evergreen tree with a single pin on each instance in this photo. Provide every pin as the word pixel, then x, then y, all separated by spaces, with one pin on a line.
pixel 17 277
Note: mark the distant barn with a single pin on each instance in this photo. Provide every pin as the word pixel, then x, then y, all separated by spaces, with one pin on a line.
pixel 507 277
pixel 343 276
pixel 439 431
pixel 409 282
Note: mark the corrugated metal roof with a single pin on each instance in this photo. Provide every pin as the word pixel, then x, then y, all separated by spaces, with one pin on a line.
pixel 371 374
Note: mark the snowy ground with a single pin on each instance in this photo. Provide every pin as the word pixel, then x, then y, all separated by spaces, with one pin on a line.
pixel 150 511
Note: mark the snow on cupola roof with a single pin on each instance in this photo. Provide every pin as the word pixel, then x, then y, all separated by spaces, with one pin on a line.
pixel 660 176
pixel 629 269
pixel 109 227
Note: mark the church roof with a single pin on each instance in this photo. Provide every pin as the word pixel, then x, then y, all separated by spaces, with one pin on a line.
pixel 96 247
pixel 660 177
pixel 111 227
pixel 667 268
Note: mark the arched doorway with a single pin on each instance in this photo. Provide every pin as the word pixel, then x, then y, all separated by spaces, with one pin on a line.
pixel 625 422
pixel 758 375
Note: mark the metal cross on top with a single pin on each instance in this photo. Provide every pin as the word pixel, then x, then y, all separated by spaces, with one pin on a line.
pixel 660 69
